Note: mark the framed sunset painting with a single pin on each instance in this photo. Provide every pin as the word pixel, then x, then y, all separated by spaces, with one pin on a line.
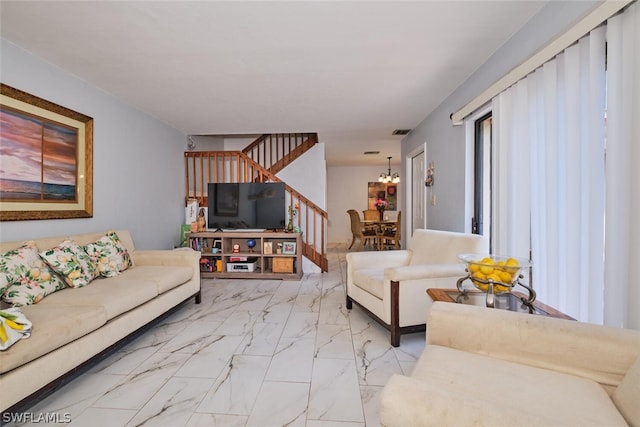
pixel 46 159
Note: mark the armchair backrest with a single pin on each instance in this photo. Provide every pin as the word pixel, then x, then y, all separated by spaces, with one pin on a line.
pixel 356 225
pixel 371 214
pixel 443 247
pixel 399 225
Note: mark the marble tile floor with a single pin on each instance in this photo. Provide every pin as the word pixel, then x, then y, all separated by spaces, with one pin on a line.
pixel 253 353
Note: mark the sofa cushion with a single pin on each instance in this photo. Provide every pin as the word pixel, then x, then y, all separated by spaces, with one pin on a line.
pixel 371 280
pixel 165 277
pixel 53 327
pixel 71 262
pixel 541 396
pixel 109 254
pixel 26 278
pixel 116 295
pixel 627 395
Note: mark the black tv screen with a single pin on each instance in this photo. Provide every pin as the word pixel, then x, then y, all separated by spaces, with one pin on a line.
pixel 233 206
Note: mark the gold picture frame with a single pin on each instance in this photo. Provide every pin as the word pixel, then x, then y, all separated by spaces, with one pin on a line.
pixel 47 165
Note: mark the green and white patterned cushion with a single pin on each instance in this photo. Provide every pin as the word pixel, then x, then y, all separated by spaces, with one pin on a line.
pixel 26 277
pixel 4 284
pixel 109 255
pixel 126 258
pixel 71 261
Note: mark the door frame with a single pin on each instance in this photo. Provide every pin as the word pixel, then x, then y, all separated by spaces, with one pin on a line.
pixel 411 189
pixel 469 190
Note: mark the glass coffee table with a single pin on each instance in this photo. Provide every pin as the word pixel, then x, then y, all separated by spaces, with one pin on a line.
pixel 512 301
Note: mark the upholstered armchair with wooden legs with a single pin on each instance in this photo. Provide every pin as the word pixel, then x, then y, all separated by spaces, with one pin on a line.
pixel 391 286
pixel 359 231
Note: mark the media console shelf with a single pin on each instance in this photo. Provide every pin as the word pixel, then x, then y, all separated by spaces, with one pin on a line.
pixel 227 254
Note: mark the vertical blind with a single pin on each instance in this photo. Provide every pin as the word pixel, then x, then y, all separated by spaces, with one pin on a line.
pixel 622 246
pixel 564 186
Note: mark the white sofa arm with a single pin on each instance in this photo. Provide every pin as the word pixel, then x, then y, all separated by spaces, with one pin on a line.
pixel 406 402
pixel 426 271
pixel 378 259
pixel 600 353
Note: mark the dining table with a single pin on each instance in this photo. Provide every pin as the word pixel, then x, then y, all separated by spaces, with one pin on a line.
pixel 380 226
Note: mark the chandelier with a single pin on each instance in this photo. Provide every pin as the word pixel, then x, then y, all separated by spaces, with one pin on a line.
pixel 387 177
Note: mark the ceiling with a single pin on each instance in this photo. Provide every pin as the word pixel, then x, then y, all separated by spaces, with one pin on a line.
pixel 353 71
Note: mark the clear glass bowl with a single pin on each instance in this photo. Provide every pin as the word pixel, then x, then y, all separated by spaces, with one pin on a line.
pixel 502 271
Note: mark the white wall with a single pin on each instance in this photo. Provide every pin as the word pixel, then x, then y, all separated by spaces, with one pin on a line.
pixel 238 144
pixel 308 176
pixel 347 186
pixel 445 142
pixel 138 172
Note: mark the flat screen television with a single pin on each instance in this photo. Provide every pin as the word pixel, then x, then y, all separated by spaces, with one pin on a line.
pixel 247 205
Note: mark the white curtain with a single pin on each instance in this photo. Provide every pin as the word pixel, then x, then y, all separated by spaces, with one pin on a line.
pixel 548 178
pixel 566 178
pixel 622 252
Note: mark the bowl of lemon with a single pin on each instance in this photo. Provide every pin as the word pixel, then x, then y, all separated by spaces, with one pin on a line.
pixel 499 272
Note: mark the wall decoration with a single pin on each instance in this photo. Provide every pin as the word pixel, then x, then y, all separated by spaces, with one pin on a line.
pixel 288 248
pixel 431 171
pixel 381 190
pixel 47 159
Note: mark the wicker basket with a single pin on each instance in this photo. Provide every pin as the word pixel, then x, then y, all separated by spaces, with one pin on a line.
pixel 282 265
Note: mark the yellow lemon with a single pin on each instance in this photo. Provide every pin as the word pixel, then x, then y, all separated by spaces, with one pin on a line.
pixel 473 267
pixel 500 289
pixel 481 286
pixel 506 277
pixel 479 275
pixel 486 269
pixel 512 262
pixel 495 276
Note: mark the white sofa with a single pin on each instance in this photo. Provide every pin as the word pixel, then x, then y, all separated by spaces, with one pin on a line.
pixel 490 367
pixel 73 325
pixel 391 285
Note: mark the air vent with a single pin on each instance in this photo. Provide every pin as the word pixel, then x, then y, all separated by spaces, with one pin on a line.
pixel 371 152
pixel 401 131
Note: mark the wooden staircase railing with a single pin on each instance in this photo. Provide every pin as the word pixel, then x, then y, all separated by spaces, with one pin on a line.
pixel 276 151
pixel 203 167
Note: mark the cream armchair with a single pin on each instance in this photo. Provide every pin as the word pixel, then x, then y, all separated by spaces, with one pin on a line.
pixel 392 285
pixel 490 367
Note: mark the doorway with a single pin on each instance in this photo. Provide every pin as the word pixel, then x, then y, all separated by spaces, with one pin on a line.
pixel 416 200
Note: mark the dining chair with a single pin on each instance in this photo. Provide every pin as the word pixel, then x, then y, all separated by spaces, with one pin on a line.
pixel 366 234
pixel 390 235
pixel 371 215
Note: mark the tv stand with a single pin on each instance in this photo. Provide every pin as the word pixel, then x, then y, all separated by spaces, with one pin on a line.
pixel 276 255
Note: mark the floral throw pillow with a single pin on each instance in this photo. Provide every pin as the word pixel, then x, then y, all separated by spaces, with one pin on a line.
pixel 72 262
pixel 25 276
pixel 109 255
pixel 4 283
